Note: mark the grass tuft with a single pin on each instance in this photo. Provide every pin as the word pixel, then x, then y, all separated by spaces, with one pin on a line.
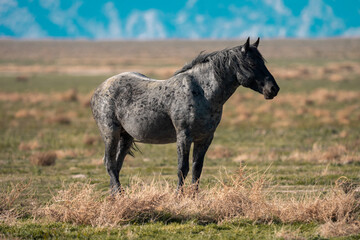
pixel 242 196
pixel 59 119
pixel 43 158
pixel 218 151
pixel 339 228
pixel 26 146
pixel 71 95
pixel 333 154
pixel 287 234
pixel 91 140
pixel 13 200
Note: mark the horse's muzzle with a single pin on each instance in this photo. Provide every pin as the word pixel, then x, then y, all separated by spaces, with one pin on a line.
pixel 270 90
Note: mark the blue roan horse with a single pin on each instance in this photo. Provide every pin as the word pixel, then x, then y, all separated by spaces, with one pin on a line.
pixel 185 109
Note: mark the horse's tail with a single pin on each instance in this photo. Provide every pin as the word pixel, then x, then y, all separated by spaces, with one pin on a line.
pixel 134 148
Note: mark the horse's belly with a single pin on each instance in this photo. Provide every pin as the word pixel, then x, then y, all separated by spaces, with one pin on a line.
pixel 150 129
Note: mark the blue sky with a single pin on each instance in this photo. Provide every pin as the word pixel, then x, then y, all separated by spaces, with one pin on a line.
pixel 191 19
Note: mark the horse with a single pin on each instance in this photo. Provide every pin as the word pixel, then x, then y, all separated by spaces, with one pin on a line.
pixel 186 108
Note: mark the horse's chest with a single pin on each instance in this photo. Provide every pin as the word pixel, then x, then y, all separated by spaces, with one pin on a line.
pixel 203 124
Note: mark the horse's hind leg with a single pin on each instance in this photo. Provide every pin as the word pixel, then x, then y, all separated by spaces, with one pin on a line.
pixel 117 145
pixel 111 140
pixel 117 141
pixel 123 149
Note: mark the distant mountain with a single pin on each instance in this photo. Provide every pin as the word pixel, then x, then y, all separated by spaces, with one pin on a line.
pixel 192 19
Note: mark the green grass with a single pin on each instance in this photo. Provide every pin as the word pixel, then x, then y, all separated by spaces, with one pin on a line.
pixel 187 230
pixel 50 83
pixel 250 136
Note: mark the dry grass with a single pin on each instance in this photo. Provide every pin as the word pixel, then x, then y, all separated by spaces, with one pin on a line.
pixel 344 115
pixel 71 95
pixel 218 151
pixel 97 162
pixel 43 158
pixel 340 228
pixel 59 119
pixel 91 140
pixel 10 207
pixel 74 153
pixel 286 234
pixel 290 109
pixel 63 154
pixel 334 154
pixel 26 113
pixel 24 97
pixel 38 97
pixel 85 99
pixel 243 157
pixel 26 146
pixel 241 196
pixel 335 72
pixel 82 204
pixel 333 207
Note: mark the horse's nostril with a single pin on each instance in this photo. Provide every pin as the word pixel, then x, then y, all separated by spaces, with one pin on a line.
pixel 273 89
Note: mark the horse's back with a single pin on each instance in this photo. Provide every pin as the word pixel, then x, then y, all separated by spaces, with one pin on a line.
pixel 136 76
pixel 124 85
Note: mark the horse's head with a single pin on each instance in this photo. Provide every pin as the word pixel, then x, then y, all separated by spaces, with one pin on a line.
pixel 252 72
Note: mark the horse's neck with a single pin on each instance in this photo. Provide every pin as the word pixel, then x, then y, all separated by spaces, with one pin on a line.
pixel 216 90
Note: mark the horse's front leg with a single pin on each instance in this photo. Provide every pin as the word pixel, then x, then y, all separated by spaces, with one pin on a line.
pixel 183 149
pixel 200 148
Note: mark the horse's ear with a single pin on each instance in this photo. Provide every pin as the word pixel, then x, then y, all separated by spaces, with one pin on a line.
pixel 245 47
pixel 256 44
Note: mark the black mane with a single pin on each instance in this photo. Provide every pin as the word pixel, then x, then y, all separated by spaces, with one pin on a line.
pixel 219 59
pixel 201 58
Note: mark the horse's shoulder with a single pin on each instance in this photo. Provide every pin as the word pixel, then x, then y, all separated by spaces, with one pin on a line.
pixel 191 87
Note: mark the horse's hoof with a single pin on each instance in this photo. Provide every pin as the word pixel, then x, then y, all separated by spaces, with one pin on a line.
pixel 116 191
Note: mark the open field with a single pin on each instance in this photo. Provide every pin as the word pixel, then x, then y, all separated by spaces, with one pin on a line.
pixel 287 168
